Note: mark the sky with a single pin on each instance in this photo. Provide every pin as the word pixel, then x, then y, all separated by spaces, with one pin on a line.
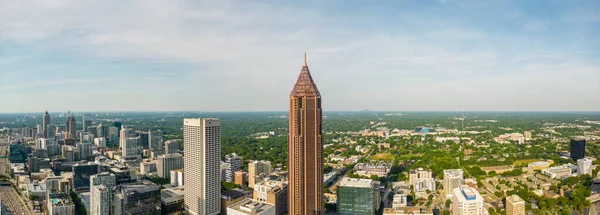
pixel 230 55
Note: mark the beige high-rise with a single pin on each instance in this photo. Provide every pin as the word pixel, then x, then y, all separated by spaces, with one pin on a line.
pixel 515 205
pixel 305 147
pixel 202 149
pixel 255 169
pixel 168 162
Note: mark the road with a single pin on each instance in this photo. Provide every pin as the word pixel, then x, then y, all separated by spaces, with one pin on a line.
pixel 9 196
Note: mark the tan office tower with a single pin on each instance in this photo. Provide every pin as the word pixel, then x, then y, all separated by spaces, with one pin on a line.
pixel 202 149
pixel 515 205
pixel 255 169
pixel 45 124
pixel 71 123
pixel 305 149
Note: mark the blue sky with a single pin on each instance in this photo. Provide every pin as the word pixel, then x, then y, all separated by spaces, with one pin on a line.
pixel 230 55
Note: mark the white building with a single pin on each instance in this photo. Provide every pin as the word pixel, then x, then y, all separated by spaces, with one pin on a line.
pixel 100 142
pixel 61 206
pixel 466 201
pixel 251 207
pixel 558 171
pixel 168 162
pixel 234 164
pixel 202 148
pixel 419 173
pixel 584 166
pixel 130 146
pixel 148 167
pixel 85 150
pixel 100 200
pixel 424 184
pixel 400 200
pixel 453 178
pixel 177 177
pixel 105 178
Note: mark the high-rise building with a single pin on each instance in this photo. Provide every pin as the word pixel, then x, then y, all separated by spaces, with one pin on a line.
pixel 105 178
pixel 584 166
pixel 85 150
pixel 357 196
pixel 515 205
pixel 168 162
pixel 305 147
pixel 453 178
pixel 419 173
pixel 577 148
pixel 124 133
pixel 71 127
pixel 466 201
pixel 130 147
pixel 171 147
pixel 155 140
pixel 100 142
pixel 45 124
pixel 274 192
pixel 234 163
pixel 81 175
pixel 202 149
pixel 100 200
pixel 255 169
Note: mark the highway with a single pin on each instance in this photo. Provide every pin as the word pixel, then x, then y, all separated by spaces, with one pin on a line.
pixel 11 200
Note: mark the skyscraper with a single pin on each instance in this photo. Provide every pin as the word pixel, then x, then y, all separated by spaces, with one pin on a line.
pixel 171 147
pixel 130 147
pixel 45 124
pixel 202 149
pixel 71 126
pixel 577 148
pixel 305 147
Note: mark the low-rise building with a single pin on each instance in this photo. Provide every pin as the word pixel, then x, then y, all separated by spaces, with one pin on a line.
pixel 558 171
pixel 380 169
pixel 250 207
pixel 407 211
pixel 172 200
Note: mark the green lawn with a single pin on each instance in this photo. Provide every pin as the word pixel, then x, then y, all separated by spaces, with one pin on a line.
pixel 383 156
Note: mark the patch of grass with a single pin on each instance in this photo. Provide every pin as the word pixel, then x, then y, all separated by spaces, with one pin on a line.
pixel 383 156
pixel 526 161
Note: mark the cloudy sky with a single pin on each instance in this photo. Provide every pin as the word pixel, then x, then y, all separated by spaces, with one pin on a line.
pixel 226 55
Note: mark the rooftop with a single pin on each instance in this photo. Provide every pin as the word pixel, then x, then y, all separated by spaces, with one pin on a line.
pixel 249 206
pixel 356 182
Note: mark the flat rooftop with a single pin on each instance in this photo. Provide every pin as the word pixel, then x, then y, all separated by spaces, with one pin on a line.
pixel 355 182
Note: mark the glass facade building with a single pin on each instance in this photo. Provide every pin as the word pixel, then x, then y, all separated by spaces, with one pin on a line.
pixel 357 196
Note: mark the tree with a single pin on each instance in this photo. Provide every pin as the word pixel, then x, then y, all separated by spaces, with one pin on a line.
pixel 446 212
pixel 448 203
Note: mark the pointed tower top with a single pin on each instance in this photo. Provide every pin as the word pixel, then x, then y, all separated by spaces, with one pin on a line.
pixel 46 112
pixel 304 58
pixel 305 86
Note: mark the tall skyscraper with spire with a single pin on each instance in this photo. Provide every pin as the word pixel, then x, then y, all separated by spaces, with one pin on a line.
pixel 305 147
pixel 45 124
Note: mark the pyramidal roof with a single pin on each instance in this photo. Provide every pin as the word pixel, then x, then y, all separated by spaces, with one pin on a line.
pixel 305 86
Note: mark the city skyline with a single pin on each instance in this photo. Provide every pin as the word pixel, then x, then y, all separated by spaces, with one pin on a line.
pixel 410 55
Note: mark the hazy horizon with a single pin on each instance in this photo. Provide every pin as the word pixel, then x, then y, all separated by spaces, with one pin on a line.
pixel 236 56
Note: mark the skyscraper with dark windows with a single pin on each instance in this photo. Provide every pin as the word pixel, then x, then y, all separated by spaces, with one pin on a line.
pixel 305 147
pixel 577 148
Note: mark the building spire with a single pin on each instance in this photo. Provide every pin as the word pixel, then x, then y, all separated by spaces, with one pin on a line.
pixel 304 58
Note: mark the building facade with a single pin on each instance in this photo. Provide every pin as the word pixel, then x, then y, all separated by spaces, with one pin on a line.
pixel 515 205
pixel 202 149
pixel 234 163
pixel 130 147
pixel 305 147
pixel 584 166
pixel 46 124
pixel 453 178
pixel 357 196
pixel 100 200
pixel 256 168
pixel 168 162
pixel 273 192
pixel 466 201
pixel 577 148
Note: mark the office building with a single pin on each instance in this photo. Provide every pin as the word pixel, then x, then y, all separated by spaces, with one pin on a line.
pixel 577 148
pixel 171 200
pixel 241 178
pixel 250 207
pixel 202 149
pixel 584 166
pixel 81 176
pixel 18 153
pixel 305 147
pixel 466 201
pixel 419 173
pixel 255 169
pixel 272 192
pixel 46 124
pixel 100 200
pixel 100 142
pixel 171 147
pixel 234 163
pixel 124 133
pixel 113 135
pixel 166 163
pixel 515 205
pixel 104 178
pixel 137 198
pixel 558 172
pixel 85 150
pixel 71 127
pixel 155 140
pixel 357 196
pixel 130 147
pixel 148 167
pixel 453 178
pixel 144 140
